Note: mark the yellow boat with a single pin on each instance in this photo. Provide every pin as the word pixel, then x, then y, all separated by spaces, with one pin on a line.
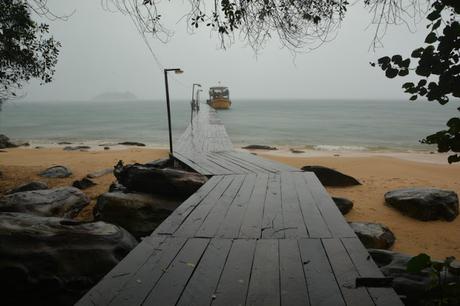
pixel 219 97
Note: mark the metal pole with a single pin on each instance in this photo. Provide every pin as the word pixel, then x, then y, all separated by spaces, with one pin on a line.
pixel 169 114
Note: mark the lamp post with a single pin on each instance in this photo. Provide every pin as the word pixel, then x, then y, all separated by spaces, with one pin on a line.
pixel 193 89
pixel 176 71
pixel 198 98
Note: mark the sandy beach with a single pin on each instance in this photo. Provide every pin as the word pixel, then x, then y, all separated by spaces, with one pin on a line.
pixel 378 173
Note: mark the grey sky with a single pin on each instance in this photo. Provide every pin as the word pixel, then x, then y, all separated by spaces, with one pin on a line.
pixel 102 52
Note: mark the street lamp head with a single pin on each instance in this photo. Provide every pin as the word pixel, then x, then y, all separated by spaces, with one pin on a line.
pixel 178 71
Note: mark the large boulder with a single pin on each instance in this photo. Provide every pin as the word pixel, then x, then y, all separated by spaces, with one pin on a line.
pixel 6 143
pixel 424 203
pixel 343 204
pixel 373 235
pixel 259 147
pixel 28 187
pixel 331 177
pixel 132 143
pixel 153 180
pixel 418 288
pixel 57 202
pixel 56 172
pixel 54 261
pixel 84 183
pixel 138 213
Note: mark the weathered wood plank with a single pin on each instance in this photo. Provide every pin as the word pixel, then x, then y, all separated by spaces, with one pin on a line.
pixel 190 225
pixel 252 221
pixel 316 226
pixel 168 289
pixel 321 282
pixel 201 288
pixel 345 273
pixel 292 214
pixel 111 284
pixel 145 278
pixel 367 268
pixel 215 218
pixel 230 226
pixel 172 223
pixel 334 219
pixel 293 287
pixel 265 282
pixel 233 284
pixel 272 222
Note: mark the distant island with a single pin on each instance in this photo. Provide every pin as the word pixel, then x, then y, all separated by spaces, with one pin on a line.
pixel 115 96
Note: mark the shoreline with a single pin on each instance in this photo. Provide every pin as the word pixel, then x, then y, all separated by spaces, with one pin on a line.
pixel 378 173
pixel 424 156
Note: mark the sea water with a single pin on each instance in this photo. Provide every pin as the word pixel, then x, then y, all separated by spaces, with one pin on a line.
pixel 318 124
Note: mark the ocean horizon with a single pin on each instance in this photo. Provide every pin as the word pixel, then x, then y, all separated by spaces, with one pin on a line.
pixel 319 124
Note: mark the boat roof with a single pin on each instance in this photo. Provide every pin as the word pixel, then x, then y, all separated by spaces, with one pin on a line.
pixel 218 87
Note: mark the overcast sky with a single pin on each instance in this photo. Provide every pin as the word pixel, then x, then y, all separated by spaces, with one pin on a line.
pixel 102 52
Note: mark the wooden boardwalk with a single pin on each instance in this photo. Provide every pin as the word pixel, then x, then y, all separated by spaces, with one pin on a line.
pixel 260 233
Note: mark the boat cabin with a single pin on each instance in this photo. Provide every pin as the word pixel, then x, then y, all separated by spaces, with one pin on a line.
pixel 219 92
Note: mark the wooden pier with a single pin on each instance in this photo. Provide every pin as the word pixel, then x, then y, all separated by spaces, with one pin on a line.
pixel 257 233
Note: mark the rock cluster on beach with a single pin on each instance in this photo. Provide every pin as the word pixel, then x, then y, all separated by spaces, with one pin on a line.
pixel 53 261
pixel 6 143
pixel 45 253
pixel 331 177
pixel 419 288
pixel 145 194
pixel 259 147
pixel 343 204
pixel 56 172
pixel 424 203
pixel 64 202
pixel 374 235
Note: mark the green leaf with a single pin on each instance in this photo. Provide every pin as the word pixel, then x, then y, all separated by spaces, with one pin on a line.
pixel 418 263
pixel 417 53
pixel 403 72
pixel 397 59
pixel 391 73
pixel 408 85
pixel 436 25
pixel 433 15
pixel 413 98
pixel 384 60
pixel 431 38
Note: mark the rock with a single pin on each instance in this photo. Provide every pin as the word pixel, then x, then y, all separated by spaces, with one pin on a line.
pixel 331 177
pixel 54 261
pixel 132 143
pixel 57 202
pixel 38 147
pixel 117 187
pixel 424 203
pixel 259 147
pixel 417 288
pixel 343 204
pixel 22 144
pixel 99 173
pixel 295 151
pixel 373 235
pixel 84 183
pixel 106 148
pixel 29 187
pixel 76 148
pixel 56 172
pixel 138 213
pixel 64 143
pixel 161 163
pixel 6 143
pixel 147 179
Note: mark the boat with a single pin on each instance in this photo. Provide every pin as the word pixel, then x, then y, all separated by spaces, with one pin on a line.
pixel 219 97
